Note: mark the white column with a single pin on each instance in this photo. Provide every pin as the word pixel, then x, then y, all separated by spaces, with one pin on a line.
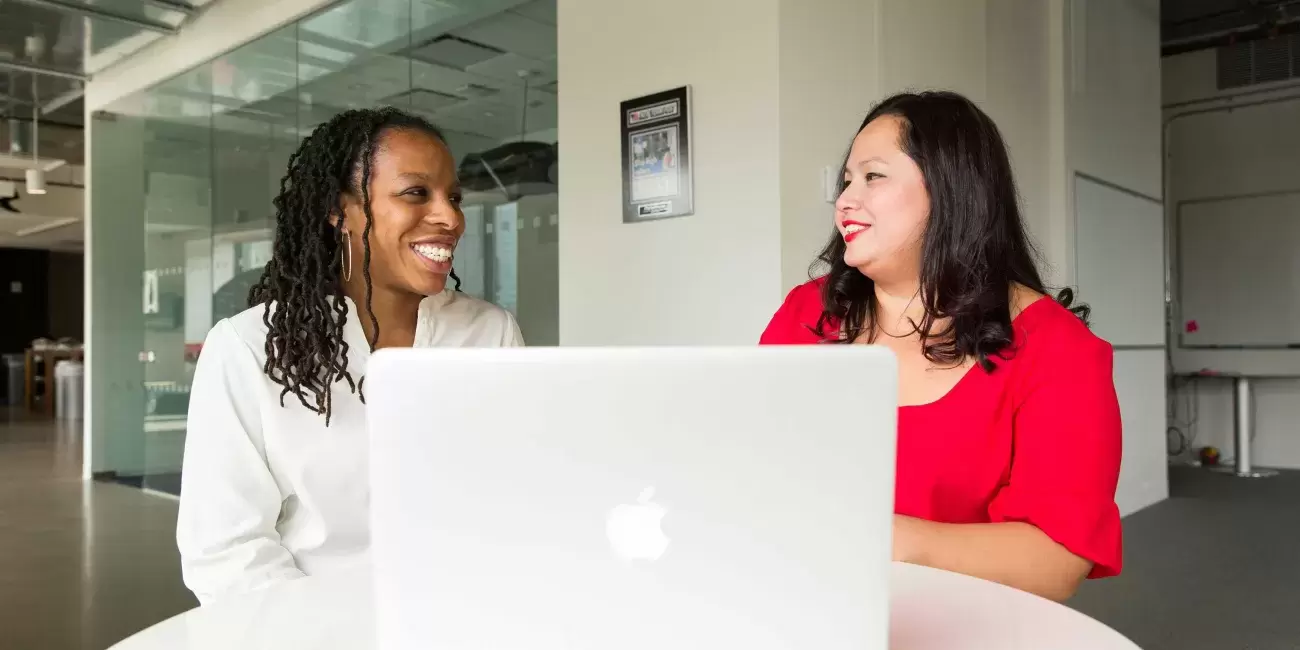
pixel 114 319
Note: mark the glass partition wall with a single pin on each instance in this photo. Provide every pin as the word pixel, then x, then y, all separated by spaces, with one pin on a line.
pixel 183 174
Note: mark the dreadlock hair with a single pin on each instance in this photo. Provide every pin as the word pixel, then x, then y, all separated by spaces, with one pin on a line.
pixel 305 350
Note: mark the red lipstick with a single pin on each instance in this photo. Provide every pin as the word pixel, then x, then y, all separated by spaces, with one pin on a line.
pixel 852 229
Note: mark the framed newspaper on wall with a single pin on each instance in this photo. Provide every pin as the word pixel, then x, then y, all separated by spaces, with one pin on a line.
pixel 656 132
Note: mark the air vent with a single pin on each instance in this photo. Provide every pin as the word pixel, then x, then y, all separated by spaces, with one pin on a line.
pixel 454 52
pixel 477 90
pixel 1257 62
pixel 423 99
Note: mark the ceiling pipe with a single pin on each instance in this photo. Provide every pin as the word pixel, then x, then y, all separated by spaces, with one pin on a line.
pixel 1255 7
pixel 45 71
pixel 1234 37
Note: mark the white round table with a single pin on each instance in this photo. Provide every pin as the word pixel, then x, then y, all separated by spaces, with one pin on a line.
pixel 929 610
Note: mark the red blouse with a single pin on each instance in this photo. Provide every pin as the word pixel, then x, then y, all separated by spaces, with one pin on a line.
pixel 1037 440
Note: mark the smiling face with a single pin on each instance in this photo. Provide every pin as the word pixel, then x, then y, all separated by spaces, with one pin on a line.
pixel 415 203
pixel 884 206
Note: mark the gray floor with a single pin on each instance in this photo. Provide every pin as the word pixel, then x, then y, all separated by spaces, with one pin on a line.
pixel 1216 567
pixel 83 565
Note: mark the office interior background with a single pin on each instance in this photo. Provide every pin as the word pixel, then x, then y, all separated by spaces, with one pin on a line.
pixel 1156 145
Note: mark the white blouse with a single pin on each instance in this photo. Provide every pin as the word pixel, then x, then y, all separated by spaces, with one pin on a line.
pixel 268 493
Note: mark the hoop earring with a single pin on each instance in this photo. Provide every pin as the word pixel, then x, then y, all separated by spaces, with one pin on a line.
pixel 345 263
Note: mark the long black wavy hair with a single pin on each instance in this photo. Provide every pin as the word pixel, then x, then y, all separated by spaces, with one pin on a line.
pixel 974 247
pixel 301 287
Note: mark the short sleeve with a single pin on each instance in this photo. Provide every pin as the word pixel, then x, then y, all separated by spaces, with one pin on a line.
pixel 796 320
pixel 1067 443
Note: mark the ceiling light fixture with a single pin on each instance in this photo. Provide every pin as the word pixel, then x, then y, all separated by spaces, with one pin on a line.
pixel 35 180
pixel 35 46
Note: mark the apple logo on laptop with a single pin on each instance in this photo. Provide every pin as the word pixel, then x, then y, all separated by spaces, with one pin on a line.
pixel 634 529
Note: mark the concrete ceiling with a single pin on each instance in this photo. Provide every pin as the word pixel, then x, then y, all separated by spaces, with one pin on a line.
pixel 1189 25
pixel 52 220
pixel 74 39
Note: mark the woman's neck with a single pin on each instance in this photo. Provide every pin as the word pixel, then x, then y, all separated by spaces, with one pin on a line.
pixel 898 308
pixel 397 314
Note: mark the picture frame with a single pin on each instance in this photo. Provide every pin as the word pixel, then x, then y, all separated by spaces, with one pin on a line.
pixel 656 150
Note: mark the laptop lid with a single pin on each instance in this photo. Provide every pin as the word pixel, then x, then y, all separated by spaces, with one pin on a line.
pixel 599 498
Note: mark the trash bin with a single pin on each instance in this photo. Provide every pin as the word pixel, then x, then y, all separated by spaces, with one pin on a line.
pixel 15 375
pixel 68 376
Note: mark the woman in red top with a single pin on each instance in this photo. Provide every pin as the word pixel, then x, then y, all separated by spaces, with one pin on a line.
pixel 1008 425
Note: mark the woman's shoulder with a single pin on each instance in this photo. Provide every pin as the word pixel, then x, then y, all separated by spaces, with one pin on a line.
pixel 247 329
pixel 796 319
pixel 250 324
pixel 1047 330
pixel 471 308
pixel 461 319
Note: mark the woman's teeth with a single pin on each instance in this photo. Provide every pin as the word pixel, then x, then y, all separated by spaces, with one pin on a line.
pixel 849 230
pixel 435 253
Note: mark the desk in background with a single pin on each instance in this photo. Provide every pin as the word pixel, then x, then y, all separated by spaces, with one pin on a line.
pixel 1243 422
pixel 46 358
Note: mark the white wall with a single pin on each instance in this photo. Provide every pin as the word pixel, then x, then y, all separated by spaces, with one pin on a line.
pixel 1112 111
pixel 1227 153
pixel 1140 384
pixel 715 276
pixel 816 134
pixel 1019 98
pixel 1114 114
pixel 937 44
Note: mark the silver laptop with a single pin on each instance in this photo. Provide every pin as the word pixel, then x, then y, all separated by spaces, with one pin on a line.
pixel 628 499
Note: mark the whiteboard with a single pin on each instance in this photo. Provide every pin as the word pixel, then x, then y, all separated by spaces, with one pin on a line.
pixel 1140 385
pixel 1238 272
pixel 1120 262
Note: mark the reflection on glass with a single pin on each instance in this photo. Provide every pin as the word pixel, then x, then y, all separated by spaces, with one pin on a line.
pixel 138 23
pixel 216 142
pixel 139 10
pixel 178 263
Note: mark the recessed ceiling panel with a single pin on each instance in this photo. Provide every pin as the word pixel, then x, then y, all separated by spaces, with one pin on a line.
pixel 512 32
pixel 453 52
pixel 422 99
pixel 515 68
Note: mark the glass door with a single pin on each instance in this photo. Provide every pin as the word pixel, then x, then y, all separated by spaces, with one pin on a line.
pixel 179 263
